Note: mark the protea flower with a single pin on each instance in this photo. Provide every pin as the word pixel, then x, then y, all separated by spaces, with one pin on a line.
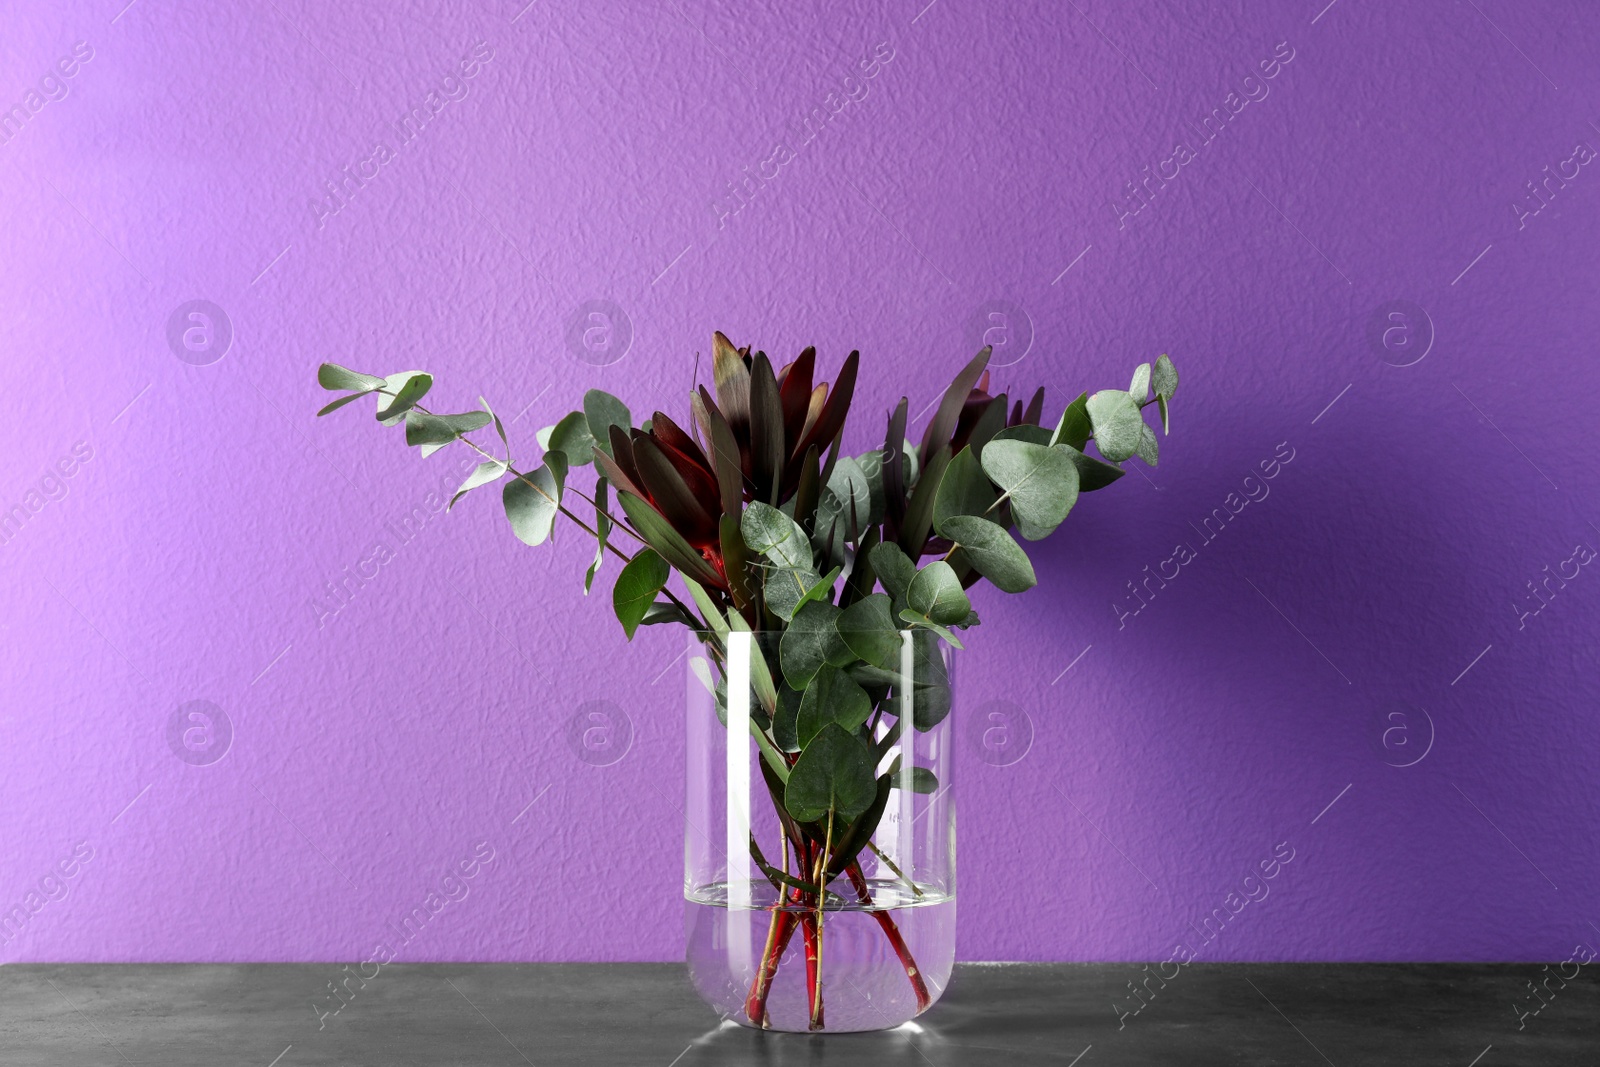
pixel 760 439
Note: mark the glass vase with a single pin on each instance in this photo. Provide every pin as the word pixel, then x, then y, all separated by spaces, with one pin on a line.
pixel 873 947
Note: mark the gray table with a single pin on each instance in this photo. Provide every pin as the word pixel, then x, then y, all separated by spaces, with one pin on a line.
pixel 1014 1014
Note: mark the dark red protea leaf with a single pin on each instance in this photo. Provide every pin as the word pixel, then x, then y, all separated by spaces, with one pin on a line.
pixel 990 421
pixel 831 418
pixel 622 452
pixel 695 474
pixel 794 389
pixel 671 496
pixel 894 471
pixel 1016 413
pixel 732 379
pixel 670 434
pixel 1035 408
pixel 944 421
pixel 766 431
pixel 726 459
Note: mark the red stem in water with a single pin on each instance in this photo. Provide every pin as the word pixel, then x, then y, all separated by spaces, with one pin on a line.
pixel 778 937
pixel 808 930
pixel 892 932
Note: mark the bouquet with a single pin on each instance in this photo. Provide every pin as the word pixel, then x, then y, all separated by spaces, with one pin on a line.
pixel 834 566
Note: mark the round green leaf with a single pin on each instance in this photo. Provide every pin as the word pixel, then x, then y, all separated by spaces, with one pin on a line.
pixel 811 640
pixel 936 592
pixel 834 697
pixel 572 436
pixel 636 588
pixel 964 489
pixel 1117 424
pixel 532 509
pixel 1041 483
pixel 602 411
pixel 334 377
pixel 408 387
pixel 834 773
pixel 870 632
pixel 992 552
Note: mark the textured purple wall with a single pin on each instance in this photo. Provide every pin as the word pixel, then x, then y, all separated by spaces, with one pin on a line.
pixel 1364 293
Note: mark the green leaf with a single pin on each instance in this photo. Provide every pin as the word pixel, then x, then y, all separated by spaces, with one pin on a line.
pixel 832 697
pixel 760 671
pixel 917 618
pixel 1140 387
pixel 571 435
pixel 1034 435
pixel 930 677
pixel 333 377
pixel 775 535
pixel 1092 473
pixel 341 402
pixel 1165 377
pixel 936 593
pixel 665 611
pixel 785 721
pixel 408 387
pixel 1041 483
pixel 532 509
pixel 602 411
pixel 922 779
pixel 992 552
pixel 894 569
pixel 964 489
pixel 786 588
pixel 659 535
pixel 488 471
pixel 833 773
pixel 602 529
pixel 1117 424
pixel 1149 450
pixel 1074 428
pixel 811 640
pixel 442 429
pixel 868 629
pixel 641 579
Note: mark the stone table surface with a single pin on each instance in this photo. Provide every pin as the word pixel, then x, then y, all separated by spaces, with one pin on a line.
pixel 262 1015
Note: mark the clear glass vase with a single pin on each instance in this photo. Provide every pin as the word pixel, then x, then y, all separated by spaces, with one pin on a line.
pixel 765 947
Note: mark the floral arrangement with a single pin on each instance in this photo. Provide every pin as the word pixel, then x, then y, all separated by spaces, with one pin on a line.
pixel 817 555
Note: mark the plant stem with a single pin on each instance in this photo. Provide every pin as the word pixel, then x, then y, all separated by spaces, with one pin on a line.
pixel 892 932
pixel 822 900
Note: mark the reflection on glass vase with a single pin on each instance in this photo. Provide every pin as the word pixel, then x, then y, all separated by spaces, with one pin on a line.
pixel 819 858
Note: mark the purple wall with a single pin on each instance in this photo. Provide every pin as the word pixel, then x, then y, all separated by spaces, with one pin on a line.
pixel 1367 606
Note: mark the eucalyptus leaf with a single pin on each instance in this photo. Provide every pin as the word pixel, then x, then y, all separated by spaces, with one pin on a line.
pixel 602 411
pixel 341 402
pixel 1139 389
pixel 833 773
pixel 491 470
pixel 1074 428
pixel 408 387
pixel 831 697
pixel 1040 483
pixel 532 508
pixel 635 592
pixel 775 535
pixel 333 377
pixel 923 780
pixel 1149 450
pixel 571 435
pixel 869 630
pixel 964 489
pixel 423 429
pixel 602 529
pixel 917 618
pixel 1092 473
pixel 785 721
pixel 992 553
pixel 811 640
pixel 1117 424
pixel 1034 435
pixel 786 588
pixel 1165 377
pixel 894 569
pixel 936 593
